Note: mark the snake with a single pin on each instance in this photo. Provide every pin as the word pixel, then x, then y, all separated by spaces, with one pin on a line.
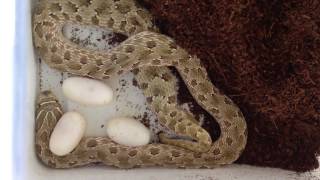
pixel 148 54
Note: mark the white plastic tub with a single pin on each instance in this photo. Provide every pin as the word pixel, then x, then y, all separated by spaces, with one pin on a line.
pixel 28 167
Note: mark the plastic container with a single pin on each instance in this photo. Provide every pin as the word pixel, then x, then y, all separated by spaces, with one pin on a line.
pixel 28 167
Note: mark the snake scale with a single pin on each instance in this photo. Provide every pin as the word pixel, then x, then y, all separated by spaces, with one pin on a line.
pixel 147 54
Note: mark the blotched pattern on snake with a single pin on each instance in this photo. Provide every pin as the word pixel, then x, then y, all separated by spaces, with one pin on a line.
pixel 147 53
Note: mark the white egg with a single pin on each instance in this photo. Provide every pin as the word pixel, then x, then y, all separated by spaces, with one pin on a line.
pixel 67 133
pixel 87 91
pixel 128 131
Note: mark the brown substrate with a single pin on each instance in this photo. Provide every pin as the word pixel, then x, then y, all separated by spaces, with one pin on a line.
pixel 265 55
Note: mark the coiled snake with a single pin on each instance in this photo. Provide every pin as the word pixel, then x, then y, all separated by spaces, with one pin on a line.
pixel 143 52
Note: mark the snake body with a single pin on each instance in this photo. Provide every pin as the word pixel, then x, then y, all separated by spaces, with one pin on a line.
pixel 146 53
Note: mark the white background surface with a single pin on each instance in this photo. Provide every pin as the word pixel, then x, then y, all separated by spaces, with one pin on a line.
pixel 6 79
pixel 27 166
